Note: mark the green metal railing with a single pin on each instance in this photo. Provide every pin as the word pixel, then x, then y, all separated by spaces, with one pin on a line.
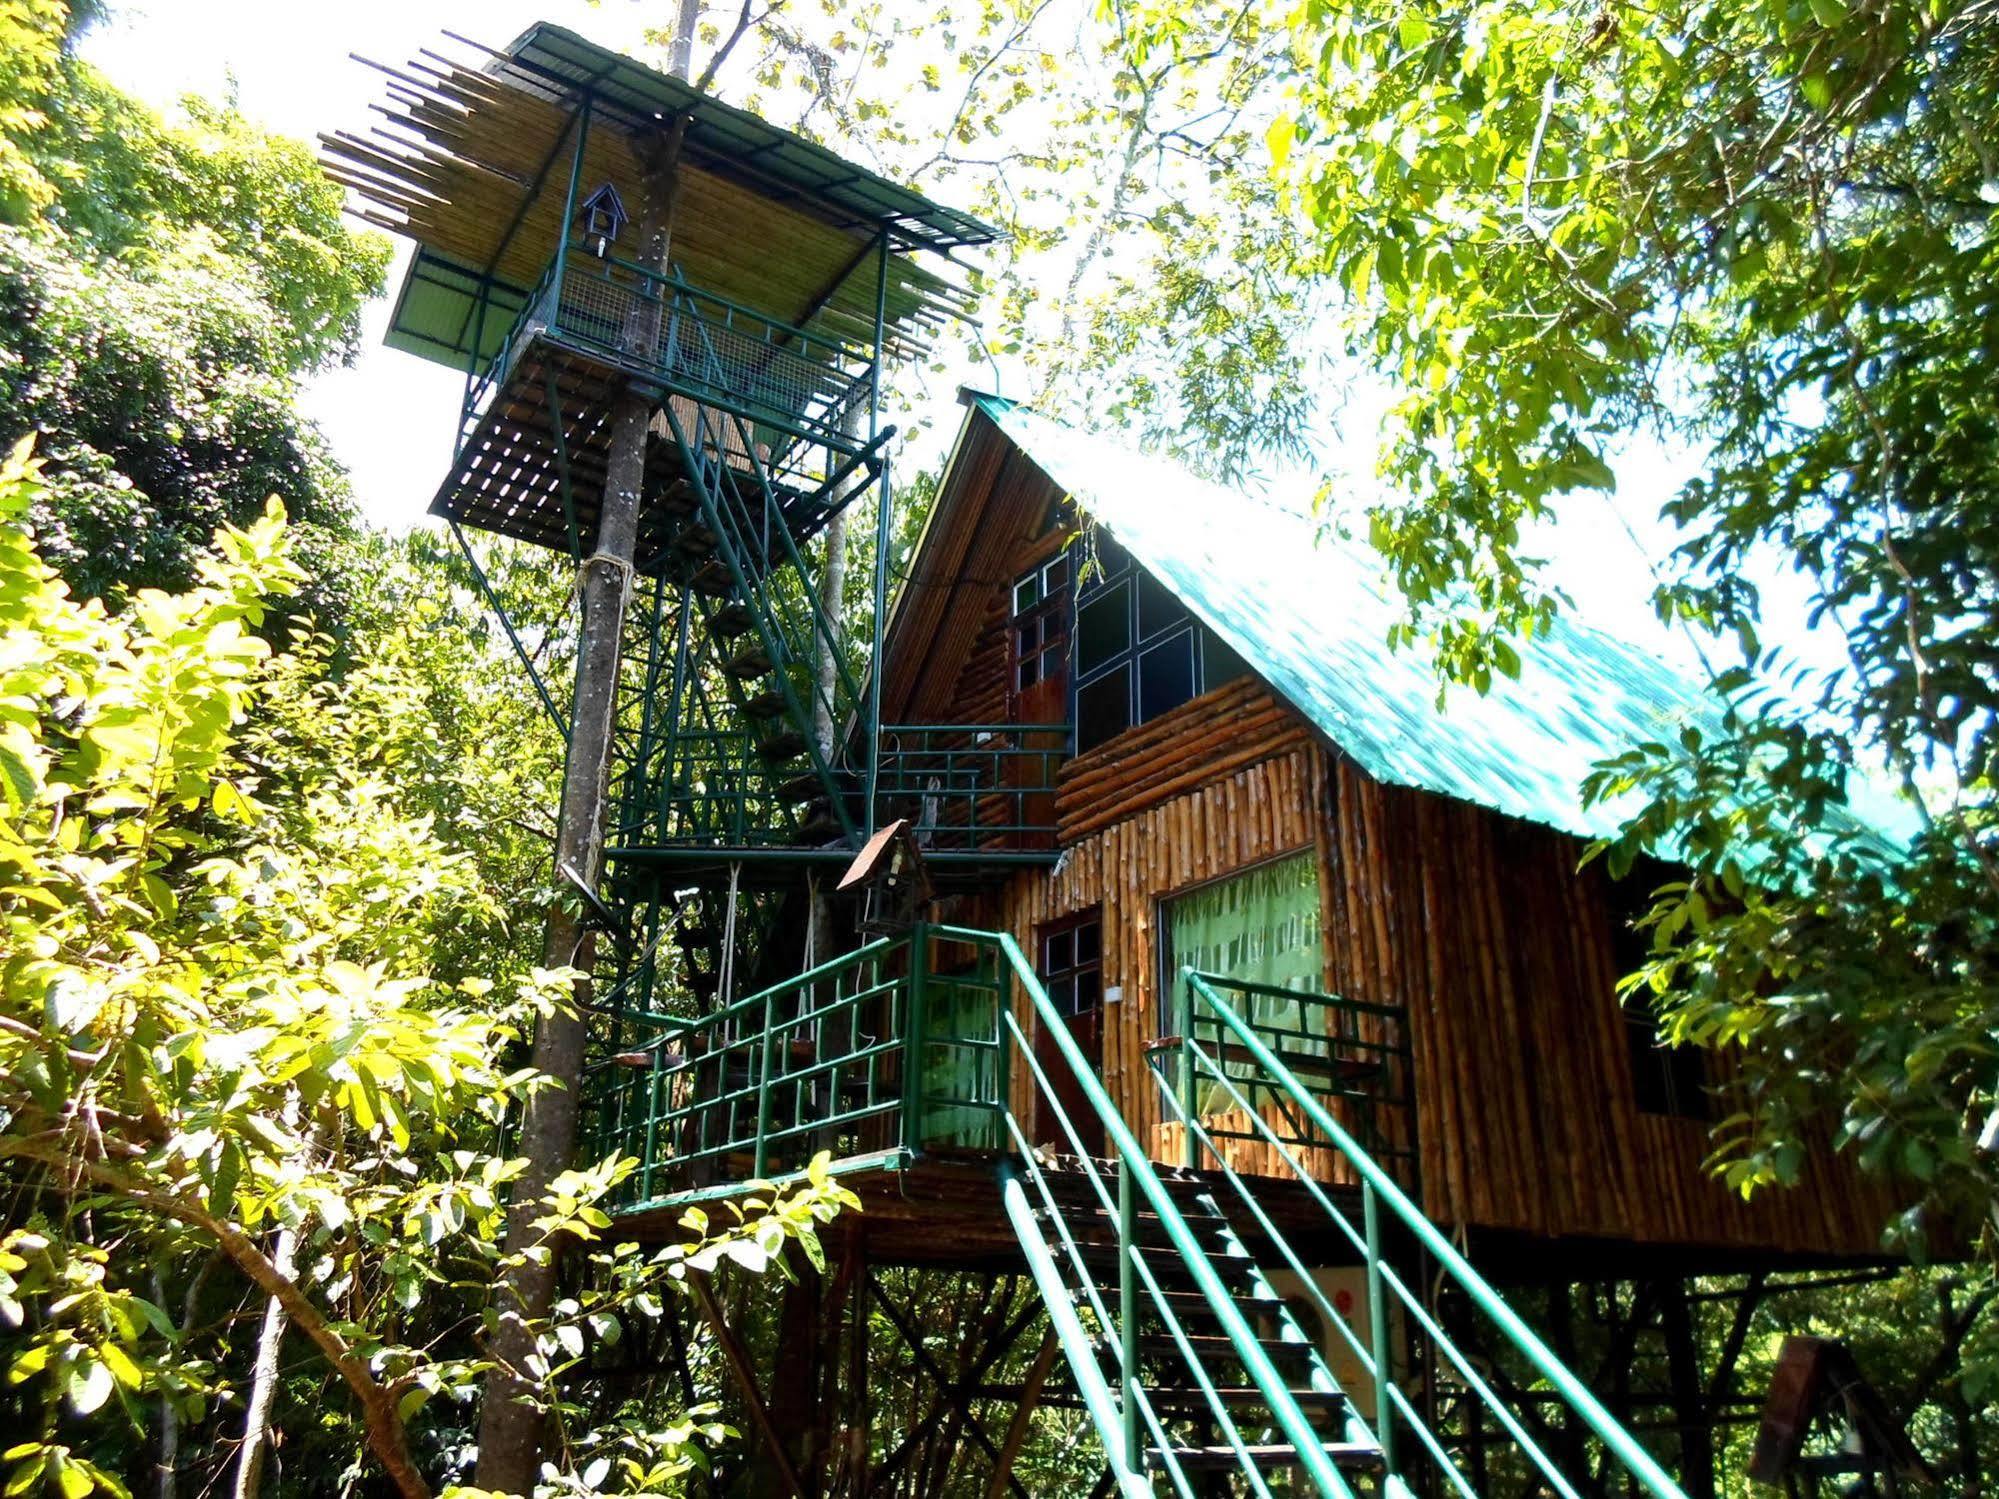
pixel 1394 1288
pixel 875 1056
pixel 921 1045
pixel 1133 1429
pixel 970 786
pixel 795 383
pixel 1353 1056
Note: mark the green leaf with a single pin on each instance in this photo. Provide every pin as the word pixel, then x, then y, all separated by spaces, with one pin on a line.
pixel 88 1386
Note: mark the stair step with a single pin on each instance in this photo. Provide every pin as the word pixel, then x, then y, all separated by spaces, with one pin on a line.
pixel 800 788
pixel 732 619
pixel 696 541
pixel 1178 1403
pixel 1171 1272
pixel 1149 1226
pixel 766 704
pixel 820 825
pixel 750 662
pixel 713 579
pixel 1212 1346
pixel 678 496
pixel 1352 1456
pixel 786 744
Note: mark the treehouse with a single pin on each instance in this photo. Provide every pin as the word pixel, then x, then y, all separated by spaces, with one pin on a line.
pixel 1116 910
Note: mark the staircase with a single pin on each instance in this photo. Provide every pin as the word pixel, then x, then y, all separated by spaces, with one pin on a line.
pixel 1196 1372
pixel 1178 1301
pixel 1200 1411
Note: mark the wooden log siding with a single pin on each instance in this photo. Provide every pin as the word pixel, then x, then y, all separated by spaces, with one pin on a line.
pixel 1238 819
pixel 1494 941
pixel 1499 946
pixel 1485 930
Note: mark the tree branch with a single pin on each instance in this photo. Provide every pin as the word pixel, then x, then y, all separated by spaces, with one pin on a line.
pixel 386 1438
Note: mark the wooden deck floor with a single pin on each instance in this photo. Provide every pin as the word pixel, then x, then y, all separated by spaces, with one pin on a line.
pixel 944 1212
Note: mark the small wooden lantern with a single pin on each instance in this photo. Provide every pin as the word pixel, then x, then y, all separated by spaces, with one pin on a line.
pixel 890 873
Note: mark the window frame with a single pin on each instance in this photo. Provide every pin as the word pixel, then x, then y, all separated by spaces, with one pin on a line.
pixel 1109 568
pixel 1066 928
pixel 1050 615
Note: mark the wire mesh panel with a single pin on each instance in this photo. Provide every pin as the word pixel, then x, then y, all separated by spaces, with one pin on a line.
pixel 795 382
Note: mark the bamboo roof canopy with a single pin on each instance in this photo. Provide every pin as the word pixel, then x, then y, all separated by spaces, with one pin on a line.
pixel 473 158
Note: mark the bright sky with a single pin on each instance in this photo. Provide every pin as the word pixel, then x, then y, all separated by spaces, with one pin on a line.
pixel 390 416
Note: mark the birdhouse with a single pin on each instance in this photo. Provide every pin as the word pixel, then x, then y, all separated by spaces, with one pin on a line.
pixel 890 875
pixel 601 217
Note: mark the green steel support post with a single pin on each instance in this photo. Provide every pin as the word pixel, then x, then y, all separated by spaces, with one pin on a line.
pixel 884 538
pixel 472 367
pixel 762 1154
pixel 1127 1298
pixel 569 200
pixel 1183 1022
pixel 1377 1317
pixel 914 1047
pixel 675 707
pixel 652 1127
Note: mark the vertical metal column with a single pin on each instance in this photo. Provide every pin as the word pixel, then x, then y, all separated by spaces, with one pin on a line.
pixel 884 536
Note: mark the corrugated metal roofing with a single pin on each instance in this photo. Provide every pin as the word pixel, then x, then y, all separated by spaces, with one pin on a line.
pixel 736 142
pixel 1311 614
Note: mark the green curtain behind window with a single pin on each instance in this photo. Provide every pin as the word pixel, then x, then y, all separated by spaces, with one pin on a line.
pixel 1261 926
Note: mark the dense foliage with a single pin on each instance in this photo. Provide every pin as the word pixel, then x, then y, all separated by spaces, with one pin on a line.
pixel 1764 231
pixel 164 285
pixel 236 1054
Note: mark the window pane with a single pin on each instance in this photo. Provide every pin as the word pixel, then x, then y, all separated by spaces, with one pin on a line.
pixel 1103 709
pixel 1029 672
pixel 1219 663
pixel 1060 954
pixel 1089 992
pixel 1158 609
pixel 1103 629
pixel 1165 676
pixel 1055 576
pixel 1026 639
pixel 1089 943
pixel 1062 994
pixel 1026 593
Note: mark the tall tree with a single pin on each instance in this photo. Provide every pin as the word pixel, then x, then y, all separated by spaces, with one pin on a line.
pixel 164 286
pixel 1764 231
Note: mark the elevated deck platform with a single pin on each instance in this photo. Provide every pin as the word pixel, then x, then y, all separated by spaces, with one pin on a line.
pixel 769 402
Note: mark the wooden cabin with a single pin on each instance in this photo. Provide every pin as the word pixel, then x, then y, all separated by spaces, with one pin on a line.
pixel 1259 784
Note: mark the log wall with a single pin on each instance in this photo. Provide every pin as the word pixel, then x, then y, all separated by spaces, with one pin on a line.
pixel 1483 928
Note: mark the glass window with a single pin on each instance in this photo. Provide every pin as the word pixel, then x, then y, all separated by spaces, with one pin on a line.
pixel 1103 629
pixel 1219 662
pixel 1038 639
pixel 1103 708
pixel 1158 608
pixel 1165 675
pixel 1135 632
pixel 1667 1079
pixel 1103 562
pixel 1072 964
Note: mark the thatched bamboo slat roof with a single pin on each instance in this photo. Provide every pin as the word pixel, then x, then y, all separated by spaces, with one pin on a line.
pixel 471 159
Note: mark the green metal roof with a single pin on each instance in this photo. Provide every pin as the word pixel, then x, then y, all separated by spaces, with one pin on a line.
pixel 436 313
pixel 733 142
pixel 1310 612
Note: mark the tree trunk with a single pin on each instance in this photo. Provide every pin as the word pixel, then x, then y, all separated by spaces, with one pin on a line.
pixel 270 1338
pixel 510 1418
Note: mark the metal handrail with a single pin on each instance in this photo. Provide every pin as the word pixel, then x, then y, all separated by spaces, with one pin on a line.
pixel 1308 1445
pixel 1381 1189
